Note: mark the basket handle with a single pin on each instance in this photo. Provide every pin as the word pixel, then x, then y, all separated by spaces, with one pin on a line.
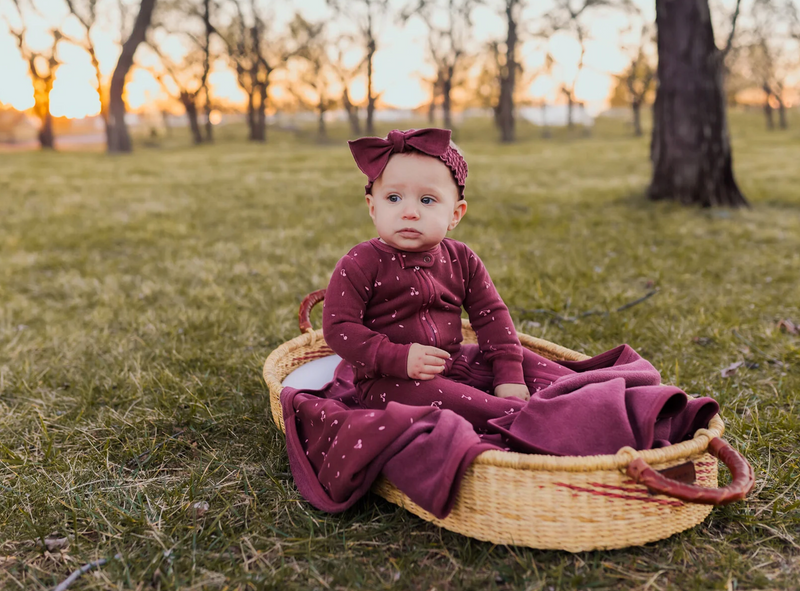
pixel 303 316
pixel 742 480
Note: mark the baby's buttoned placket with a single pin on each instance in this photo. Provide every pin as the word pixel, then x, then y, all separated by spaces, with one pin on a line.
pixel 426 308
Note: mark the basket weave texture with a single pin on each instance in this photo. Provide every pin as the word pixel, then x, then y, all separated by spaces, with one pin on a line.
pixel 564 503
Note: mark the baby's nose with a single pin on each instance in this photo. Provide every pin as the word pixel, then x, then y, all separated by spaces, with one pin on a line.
pixel 410 211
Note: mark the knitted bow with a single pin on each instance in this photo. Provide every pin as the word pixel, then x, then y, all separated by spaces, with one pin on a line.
pixel 372 153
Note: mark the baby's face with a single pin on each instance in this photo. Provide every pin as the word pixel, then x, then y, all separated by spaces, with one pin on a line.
pixel 415 202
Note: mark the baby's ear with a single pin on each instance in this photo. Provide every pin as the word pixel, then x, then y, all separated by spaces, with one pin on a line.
pixel 371 205
pixel 459 212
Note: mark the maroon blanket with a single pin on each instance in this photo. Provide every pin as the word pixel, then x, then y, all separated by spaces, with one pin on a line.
pixel 338 448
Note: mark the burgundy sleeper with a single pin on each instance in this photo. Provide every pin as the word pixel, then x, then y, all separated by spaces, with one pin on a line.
pixel 380 300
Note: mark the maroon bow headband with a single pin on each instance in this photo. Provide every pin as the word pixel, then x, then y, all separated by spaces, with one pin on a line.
pixel 372 153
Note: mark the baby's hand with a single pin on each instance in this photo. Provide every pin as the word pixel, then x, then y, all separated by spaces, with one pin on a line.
pixel 518 390
pixel 425 362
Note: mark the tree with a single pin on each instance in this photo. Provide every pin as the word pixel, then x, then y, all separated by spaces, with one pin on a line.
pixel 42 67
pixel 690 147
pixel 254 57
pixel 118 138
pixel 86 13
pixel 202 10
pixel 639 77
pixel 567 16
pixel 314 77
pixel 766 57
pixel 367 16
pixel 189 78
pixel 446 44
pixel 345 76
pixel 508 68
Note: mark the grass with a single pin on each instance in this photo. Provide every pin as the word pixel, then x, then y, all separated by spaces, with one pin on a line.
pixel 140 295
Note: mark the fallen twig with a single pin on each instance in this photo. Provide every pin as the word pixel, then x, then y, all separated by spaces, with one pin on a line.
pixel 82 571
pixel 646 296
pixel 560 318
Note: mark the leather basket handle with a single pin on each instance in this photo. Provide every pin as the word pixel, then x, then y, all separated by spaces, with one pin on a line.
pixel 742 478
pixel 303 316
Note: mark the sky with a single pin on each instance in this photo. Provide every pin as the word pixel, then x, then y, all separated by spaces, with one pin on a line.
pixel 400 61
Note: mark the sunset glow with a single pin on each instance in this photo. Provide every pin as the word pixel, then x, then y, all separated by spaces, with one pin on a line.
pixel 401 64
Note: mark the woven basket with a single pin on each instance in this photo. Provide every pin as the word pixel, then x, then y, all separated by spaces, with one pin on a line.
pixel 564 503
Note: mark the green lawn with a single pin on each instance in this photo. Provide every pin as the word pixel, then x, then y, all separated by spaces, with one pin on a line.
pixel 140 295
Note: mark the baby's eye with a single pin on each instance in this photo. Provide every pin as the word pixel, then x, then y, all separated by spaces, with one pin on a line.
pixel 428 200
pixel 393 198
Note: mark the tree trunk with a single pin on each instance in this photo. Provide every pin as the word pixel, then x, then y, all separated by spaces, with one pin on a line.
pixel 782 114
pixel 370 97
pixel 207 69
pixel 432 105
pixel 322 132
pixel 545 127
pixel 167 126
pixel 99 75
pixel 637 118
pixel 690 147
pixel 118 138
pixel 352 113
pixel 191 113
pixel 209 125
pixel 505 112
pixel 251 115
pixel 768 113
pixel 447 86
pixel 767 107
pixel 46 136
pixel 260 130
pixel 570 104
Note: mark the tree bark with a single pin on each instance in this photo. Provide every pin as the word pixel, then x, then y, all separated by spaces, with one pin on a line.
pixel 370 96
pixel 637 118
pixel 505 111
pixel 189 103
pixel 690 147
pixel 782 114
pixel 251 114
pixel 207 68
pixel 352 113
pixel 432 104
pixel 768 113
pixel 570 104
pixel 46 137
pixel 209 125
pixel 118 138
pixel 447 111
pixel 322 132
pixel 99 75
pixel 43 86
pixel 545 127
pixel 260 132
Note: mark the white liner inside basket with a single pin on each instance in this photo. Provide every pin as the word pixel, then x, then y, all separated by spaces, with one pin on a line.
pixel 314 374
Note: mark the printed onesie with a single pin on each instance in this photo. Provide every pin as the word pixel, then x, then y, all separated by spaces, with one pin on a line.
pixel 380 300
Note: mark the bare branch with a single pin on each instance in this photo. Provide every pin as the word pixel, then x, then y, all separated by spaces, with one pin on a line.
pixel 732 33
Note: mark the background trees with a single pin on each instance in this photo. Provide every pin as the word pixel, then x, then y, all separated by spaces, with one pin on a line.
pixel 367 17
pixel 449 24
pixel 322 62
pixel 42 66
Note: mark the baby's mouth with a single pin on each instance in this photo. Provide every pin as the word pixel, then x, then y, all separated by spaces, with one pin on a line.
pixel 409 233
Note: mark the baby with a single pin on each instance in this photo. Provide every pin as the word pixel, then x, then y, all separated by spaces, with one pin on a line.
pixel 393 305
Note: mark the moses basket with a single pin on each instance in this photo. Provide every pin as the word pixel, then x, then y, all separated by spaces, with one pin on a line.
pixel 565 503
